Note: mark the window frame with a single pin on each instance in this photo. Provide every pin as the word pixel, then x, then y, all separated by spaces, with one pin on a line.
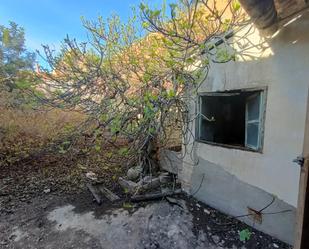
pixel 263 104
pixel 258 121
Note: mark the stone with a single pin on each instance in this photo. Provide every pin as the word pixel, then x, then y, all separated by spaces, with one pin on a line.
pixel 215 238
pixel 47 190
pixel 92 176
pixel 174 201
pixel 12 237
pixel 145 179
pixel 202 236
pixel 206 211
pixel 165 177
pixel 93 189
pixel 171 161
pixel 108 194
pixel 172 231
pixel 134 173
pixel 128 185
pixel 149 182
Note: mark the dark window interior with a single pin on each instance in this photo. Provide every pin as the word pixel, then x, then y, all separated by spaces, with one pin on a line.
pixel 228 110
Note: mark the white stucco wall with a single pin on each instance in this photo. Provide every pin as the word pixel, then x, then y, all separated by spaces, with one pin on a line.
pixel 283 67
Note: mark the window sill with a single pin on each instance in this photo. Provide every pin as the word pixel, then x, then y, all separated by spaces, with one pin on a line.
pixel 229 146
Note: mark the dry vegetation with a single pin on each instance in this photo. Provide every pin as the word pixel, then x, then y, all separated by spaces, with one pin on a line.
pixel 26 132
pixel 38 155
pixel 131 93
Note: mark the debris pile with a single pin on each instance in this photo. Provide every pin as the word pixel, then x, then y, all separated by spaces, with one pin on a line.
pixel 98 190
pixel 139 184
pixel 158 182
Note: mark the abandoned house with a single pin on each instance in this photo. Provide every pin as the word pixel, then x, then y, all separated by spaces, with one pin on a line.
pixel 243 152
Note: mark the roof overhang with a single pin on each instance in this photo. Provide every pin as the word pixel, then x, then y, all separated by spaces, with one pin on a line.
pixel 269 13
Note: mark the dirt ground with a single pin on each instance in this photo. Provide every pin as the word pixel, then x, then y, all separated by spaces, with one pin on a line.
pixel 56 220
pixel 49 206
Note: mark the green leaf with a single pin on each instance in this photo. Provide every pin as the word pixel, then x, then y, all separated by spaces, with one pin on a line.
pixel 66 143
pixel 97 148
pixel 62 150
pixel 151 130
pixel 156 13
pixel 103 117
pixel 205 61
pixel 171 94
pixel 203 46
pixel 109 154
pixel 142 6
pixel 223 54
pixel 39 94
pixel 115 126
pixel 226 24
pixel 23 84
pixel 6 37
pixel 147 77
pixel 127 205
pixel 123 151
pixel 145 25
pixel 236 5
pixel 244 235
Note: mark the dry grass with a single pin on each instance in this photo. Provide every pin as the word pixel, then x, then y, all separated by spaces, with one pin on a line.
pixel 24 131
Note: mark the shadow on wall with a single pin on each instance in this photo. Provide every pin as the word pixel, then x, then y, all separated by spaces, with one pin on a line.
pixel 252 45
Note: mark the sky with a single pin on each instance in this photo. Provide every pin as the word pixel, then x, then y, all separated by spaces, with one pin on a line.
pixel 49 21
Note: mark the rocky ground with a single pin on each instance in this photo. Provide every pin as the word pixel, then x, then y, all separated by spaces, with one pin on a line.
pixel 50 207
pixel 75 221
